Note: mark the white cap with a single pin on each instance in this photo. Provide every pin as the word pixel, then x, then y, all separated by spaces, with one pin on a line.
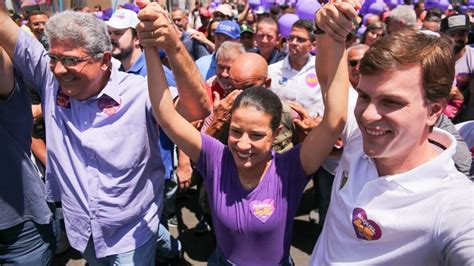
pixel 225 9
pixel 123 19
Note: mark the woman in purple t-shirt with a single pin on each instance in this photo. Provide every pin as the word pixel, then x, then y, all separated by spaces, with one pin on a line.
pixel 254 192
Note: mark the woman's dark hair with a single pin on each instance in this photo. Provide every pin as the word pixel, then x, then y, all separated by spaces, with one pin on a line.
pixel 263 100
pixel 374 26
pixel 209 33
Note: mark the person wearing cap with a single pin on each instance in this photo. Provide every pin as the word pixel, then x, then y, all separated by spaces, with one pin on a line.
pixel 247 37
pixel 457 27
pixel 227 30
pixel 267 38
pixel 101 135
pixel 205 17
pixel 125 44
pixel 223 11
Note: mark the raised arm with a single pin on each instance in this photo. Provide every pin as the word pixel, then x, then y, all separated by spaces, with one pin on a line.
pixel 180 131
pixel 193 102
pixel 334 80
pixel 6 74
pixel 8 30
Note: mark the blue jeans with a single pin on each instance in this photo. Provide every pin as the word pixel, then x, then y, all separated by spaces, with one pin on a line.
pixel 144 255
pixel 27 243
pixel 167 247
pixel 217 258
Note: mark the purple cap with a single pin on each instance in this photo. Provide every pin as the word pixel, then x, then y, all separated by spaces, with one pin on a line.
pixel 106 14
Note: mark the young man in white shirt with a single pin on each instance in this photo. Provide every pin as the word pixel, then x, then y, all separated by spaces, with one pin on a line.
pixel 397 197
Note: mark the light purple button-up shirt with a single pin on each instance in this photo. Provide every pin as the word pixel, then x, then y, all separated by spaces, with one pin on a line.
pixel 101 155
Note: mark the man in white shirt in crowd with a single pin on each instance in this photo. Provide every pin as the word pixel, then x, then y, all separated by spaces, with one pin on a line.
pixel 397 197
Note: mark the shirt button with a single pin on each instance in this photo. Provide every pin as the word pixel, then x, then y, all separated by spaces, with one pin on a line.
pixel 85 123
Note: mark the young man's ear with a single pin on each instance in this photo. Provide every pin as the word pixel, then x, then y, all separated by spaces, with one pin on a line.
pixel 435 111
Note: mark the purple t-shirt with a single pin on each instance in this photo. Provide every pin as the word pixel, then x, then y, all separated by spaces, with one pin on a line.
pixel 253 227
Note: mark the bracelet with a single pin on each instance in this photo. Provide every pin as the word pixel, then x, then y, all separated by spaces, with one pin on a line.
pixel 317 29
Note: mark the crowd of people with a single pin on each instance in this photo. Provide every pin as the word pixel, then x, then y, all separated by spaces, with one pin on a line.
pixel 106 115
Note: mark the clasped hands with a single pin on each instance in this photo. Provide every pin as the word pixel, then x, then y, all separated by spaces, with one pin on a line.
pixel 335 18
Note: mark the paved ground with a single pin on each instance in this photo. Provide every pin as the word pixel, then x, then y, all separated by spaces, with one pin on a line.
pixel 198 248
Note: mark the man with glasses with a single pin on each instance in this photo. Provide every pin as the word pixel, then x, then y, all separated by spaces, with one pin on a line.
pixel 248 70
pixel 36 21
pixel 354 55
pixel 101 132
pixel 294 78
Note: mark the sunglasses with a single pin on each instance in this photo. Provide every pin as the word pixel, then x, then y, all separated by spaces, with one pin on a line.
pixel 353 62
pixel 67 61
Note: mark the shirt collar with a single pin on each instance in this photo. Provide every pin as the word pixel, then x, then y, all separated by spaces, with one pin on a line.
pixel 309 63
pixel 110 88
pixel 138 65
pixel 430 173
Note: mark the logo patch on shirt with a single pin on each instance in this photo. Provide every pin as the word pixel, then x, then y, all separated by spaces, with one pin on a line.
pixel 345 176
pixel 62 99
pixel 365 228
pixel 282 81
pixel 311 80
pixel 262 209
pixel 108 105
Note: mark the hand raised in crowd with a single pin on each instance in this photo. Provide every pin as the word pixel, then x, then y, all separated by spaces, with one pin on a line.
pixel 335 18
pixel 156 29
pixel 305 123
pixel 222 107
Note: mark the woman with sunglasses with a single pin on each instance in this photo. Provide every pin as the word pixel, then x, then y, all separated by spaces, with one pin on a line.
pixel 254 193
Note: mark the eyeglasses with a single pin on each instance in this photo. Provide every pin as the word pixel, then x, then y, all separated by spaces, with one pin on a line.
pixel 353 62
pixel 67 61
pixel 298 39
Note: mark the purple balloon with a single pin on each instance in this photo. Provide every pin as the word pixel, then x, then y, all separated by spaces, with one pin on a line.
pixel 307 9
pixel 391 3
pixel 376 8
pixel 429 4
pixel 254 3
pixel 268 3
pixel 361 30
pixel 365 6
pixel 443 5
pixel 285 22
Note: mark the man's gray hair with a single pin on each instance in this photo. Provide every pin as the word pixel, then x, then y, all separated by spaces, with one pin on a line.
pixel 83 29
pixel 229 49
pixel 405 15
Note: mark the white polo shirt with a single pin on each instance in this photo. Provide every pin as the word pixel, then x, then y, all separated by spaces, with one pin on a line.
pixel 422 217
pixel 299 86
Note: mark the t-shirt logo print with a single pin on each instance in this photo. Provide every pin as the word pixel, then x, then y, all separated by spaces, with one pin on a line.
pixel 365 228
pixel 263 210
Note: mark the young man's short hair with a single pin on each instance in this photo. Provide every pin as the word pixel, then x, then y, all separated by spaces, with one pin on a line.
pixel 409 47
